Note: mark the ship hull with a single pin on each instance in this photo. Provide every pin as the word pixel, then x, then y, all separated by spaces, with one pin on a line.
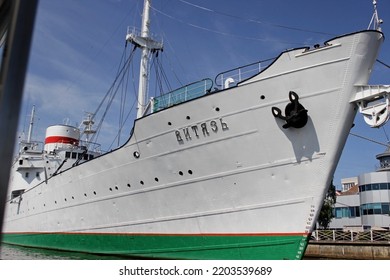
pixel 218 177
pixel 218 246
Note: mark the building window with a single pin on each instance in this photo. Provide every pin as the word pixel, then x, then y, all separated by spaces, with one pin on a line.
pixel 375 209
pixel 357 211
pixel 374 187
pixel 346 212
pixel 385 208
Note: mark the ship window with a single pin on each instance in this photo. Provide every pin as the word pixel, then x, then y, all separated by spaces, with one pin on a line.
pixel 74 155
pixel 37 174
pixel 85 156
pixel 26 175
pixel 80 156
pixel 90 157
pixel 20 162
pixel 67 154
pixel 16 193
pixel 383 186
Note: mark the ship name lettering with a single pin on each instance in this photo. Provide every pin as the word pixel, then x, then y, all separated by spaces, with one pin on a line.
pixel 204 129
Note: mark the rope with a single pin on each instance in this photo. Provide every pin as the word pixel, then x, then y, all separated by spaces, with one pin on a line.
pixel 112 91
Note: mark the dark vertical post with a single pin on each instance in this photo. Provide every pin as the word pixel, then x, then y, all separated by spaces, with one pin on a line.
pixel 17 21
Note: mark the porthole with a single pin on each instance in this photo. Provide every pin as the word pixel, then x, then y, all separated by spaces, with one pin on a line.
pixel 181 173
pixel 190 172
pixel 110 189
pixel 141 182
pixel 262 97
pixel 128 185
pixel 136 154
pixel 156 179
pixel 85 194
pixel 217 109
pixel 188 117
pixel 116 187
pixel 94 193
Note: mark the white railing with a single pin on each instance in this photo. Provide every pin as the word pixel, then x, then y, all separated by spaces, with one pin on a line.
pixel 232 77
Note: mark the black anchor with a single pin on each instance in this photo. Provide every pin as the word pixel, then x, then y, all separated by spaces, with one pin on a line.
pixel 296 114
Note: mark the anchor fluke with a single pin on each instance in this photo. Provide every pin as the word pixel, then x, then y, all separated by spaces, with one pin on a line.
pixel 295 114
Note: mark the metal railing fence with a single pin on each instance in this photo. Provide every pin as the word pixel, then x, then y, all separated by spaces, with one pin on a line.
pixel 351 236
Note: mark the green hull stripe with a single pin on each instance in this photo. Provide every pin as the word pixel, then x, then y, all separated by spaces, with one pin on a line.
pixel 268 247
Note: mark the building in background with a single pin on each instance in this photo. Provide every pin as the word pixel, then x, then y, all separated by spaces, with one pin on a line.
pixel 348 183
pixel 364 201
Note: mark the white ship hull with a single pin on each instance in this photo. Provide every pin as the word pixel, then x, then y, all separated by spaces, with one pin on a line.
pixel 204 172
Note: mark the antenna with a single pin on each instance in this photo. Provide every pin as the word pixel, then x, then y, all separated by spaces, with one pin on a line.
pixel 375 20
pixel 31 125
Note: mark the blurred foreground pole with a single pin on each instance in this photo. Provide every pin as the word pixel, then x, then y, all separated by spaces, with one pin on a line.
pixel 16 24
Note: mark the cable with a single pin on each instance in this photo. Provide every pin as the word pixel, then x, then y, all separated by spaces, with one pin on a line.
pixel 254 20
pixel 368 139
pixel 220 32
pixel 109 97
pixel 384 64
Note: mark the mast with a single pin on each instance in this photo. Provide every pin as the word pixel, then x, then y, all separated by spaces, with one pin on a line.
pixel 148 46
pixel 30 127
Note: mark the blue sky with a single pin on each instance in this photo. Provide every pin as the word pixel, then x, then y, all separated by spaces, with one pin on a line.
pixel 78 44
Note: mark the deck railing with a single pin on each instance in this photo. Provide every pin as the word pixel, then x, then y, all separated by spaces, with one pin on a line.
pixel 182 94
pixel 231 77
